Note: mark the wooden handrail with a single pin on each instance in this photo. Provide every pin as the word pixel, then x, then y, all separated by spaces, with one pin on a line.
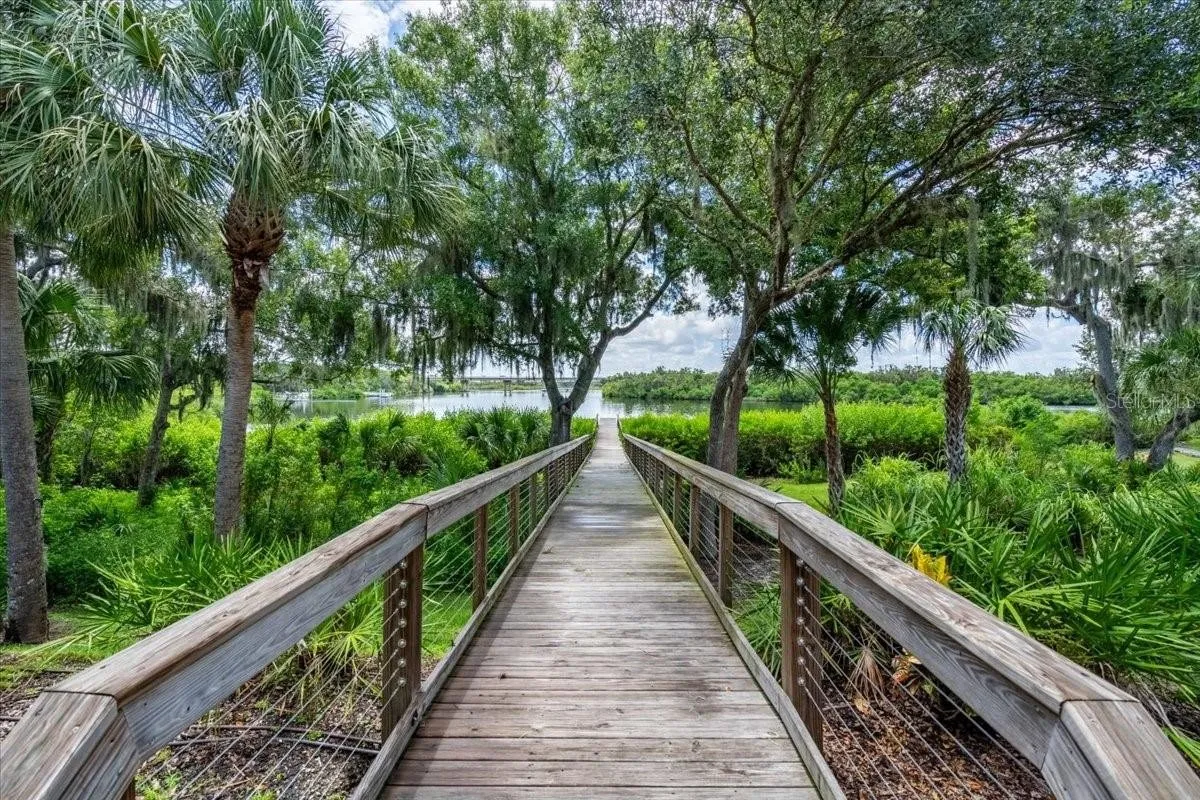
pixel 1088 738
pixel 86 736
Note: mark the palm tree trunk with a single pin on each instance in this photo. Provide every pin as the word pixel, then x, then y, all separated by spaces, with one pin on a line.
pixel 1164 443
pixel 158 429
pixel 44 441
pixel 231 456
pixel 957 386
pixel 26 617
pixel 835 477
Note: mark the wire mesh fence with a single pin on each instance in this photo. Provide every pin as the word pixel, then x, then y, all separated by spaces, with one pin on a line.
pixel 885 725
pixel 310 723
pixel 889 726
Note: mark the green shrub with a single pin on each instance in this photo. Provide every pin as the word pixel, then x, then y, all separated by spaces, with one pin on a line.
pixel 1017 412
pixel 1105 574
pixel 583 426
pixel 503 435
pixel 88 530
pixel 889 385
pixel 113 449
pixel 305 480
pixel 769 441
pixel 1082 427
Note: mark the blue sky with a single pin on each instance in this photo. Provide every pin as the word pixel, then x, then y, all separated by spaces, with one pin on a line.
pixel 695 339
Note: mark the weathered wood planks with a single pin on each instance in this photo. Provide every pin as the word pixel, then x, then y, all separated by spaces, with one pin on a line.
pixel 601 672
pixel 1089 738
pixel 165 682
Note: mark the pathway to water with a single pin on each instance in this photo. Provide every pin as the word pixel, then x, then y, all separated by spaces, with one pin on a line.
pixel 602 673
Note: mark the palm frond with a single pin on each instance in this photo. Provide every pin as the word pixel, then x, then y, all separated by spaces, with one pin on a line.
pixel 113 378
pixel 986 334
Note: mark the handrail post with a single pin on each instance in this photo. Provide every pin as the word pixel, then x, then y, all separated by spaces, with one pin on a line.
pixel 514 521
pixel 800 636
pixel 725 555
pixel 479 584
pixel 677 500
pixel 694 519
pixel 401 637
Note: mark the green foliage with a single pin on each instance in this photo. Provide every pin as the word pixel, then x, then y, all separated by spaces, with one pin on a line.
pixel 546 277
pixel 891 385
pixel 815 493
pixel 1071 552
pixel 582 426
pixel 148 592
pixel 143 594
pixel 985 335
pixel 90 530
pixel 306 480
pixel 502 434
pixel 1188 745
pixel 772 442
pixel 113 447
pixel 758 617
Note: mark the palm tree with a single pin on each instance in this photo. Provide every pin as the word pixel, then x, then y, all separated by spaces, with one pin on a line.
pixel 1166 373
pixel 817 338
pixel 278 120
pixel 68 357
pixel 974 334
pixel 73 171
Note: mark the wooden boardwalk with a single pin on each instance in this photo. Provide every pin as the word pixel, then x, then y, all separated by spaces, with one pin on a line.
pixel 601 673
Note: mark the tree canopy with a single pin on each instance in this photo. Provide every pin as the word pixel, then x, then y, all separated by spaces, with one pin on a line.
pixel 566 243
pixel 811 134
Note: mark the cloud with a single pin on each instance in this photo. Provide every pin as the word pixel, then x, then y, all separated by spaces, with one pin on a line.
pixel 384 20
pixel 697 340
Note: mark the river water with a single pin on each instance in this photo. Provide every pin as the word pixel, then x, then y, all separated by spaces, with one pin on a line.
pixel 439 404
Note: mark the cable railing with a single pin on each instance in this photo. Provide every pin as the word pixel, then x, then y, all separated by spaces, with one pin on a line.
pixel 891 684
pixel 307 683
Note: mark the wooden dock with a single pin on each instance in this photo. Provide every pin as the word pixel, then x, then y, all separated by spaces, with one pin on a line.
pixel 602 673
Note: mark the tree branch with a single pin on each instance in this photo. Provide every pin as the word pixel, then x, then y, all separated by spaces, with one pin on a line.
pixel 718 188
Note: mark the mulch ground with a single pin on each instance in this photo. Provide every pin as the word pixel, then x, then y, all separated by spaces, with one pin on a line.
pixel 274 738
